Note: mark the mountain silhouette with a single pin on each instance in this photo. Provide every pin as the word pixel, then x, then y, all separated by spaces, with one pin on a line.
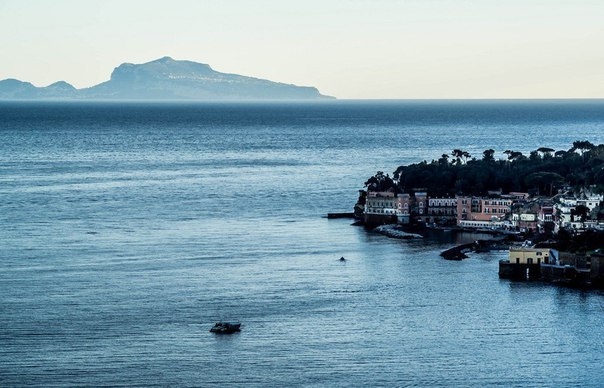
pixel 165 79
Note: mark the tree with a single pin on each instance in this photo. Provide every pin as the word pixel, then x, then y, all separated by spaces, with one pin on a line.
pixel 444 160
pixel 487 155
pixel 513 155
pixel 543 180
pixel 517 173
pixel 460 154
pixel 457 154
pixel 466 155
pixel 544 151
pixel 582 212
pixel 380 182
pixel 582 146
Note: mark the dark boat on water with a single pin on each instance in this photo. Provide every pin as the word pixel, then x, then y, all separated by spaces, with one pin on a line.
pixel 226 327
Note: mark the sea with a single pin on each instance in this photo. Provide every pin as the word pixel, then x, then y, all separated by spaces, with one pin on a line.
pixel 128 229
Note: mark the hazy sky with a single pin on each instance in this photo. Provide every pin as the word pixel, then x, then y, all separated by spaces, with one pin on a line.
pixel 348 49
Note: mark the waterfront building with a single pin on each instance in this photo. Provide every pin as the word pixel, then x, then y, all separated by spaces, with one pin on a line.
pixel 482 209
pixel 524 263
pixel 529 263
pixel 404 203
pixel 524 255
pixel 420 206
pixel 380 208
pixel 442 211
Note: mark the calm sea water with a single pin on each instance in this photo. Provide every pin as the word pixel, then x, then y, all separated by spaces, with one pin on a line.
pixel 127 230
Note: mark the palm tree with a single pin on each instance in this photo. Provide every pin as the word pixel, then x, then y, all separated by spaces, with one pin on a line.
pixel 545 151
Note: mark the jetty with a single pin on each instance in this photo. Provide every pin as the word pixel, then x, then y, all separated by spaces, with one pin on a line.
pixel 396 231
pixel 459 252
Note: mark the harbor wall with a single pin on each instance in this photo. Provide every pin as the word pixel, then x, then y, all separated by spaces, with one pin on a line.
pixel 515 271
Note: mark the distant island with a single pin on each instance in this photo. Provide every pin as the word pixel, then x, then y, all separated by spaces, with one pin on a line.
pixel 164 79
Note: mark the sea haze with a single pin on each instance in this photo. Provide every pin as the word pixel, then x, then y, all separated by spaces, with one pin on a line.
pixel 128 229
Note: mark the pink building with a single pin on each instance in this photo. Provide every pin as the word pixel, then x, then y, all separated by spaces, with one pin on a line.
pixel 421 206
pixel 482 209
pixel 404 204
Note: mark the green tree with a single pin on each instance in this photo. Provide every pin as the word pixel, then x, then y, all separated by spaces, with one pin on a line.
pixel 543 180
pixel 515 155
pixel 580 211
pixel 582 146
pixel 545 151
pixel 380 182
pixel 444 160
pixel 517 173
pixel 460 154
pixel 488 155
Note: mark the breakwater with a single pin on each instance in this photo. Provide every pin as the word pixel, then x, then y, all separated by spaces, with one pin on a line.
pixel 459 252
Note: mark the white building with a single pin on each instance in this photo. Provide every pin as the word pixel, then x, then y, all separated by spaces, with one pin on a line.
pixel 567 205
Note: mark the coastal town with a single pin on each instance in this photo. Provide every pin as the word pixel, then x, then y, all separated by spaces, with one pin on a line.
pixel 556 238
pixel 511 212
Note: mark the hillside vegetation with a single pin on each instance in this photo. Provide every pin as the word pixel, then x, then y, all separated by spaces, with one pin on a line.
pixel 542 172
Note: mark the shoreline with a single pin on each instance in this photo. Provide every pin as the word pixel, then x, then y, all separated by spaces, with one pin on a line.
pixel 557 275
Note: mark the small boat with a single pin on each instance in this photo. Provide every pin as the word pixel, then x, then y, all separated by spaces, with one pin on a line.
pixel 226 327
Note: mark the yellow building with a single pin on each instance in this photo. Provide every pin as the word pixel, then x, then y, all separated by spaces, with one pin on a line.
pixel 523 255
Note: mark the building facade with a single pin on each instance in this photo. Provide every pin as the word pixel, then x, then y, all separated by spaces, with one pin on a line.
pixel 380 208
pixel 482 209
pixel 442 211
pixel 523 255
